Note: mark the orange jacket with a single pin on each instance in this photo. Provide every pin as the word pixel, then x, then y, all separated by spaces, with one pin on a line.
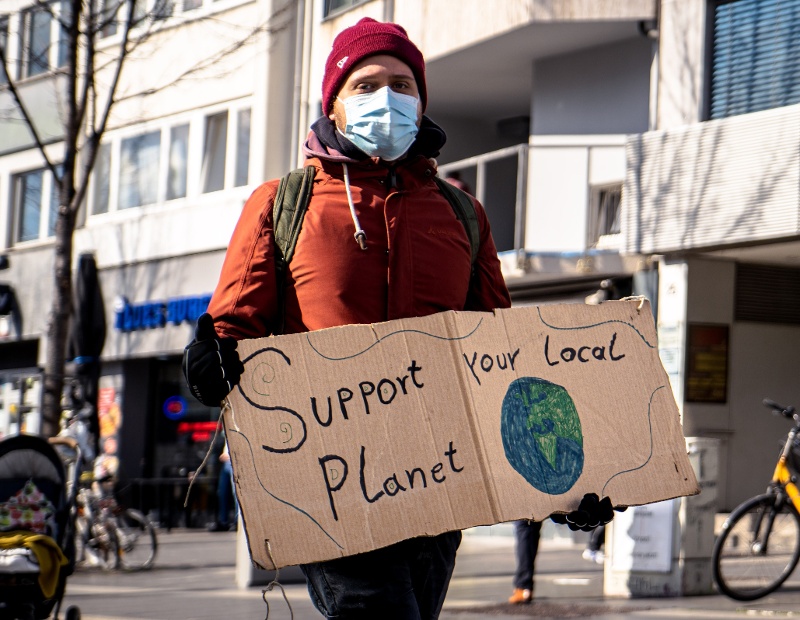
pixel 417 260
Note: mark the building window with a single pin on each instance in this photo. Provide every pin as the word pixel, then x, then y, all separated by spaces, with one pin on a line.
pixel 35 41
pixel 107 17
pixel 178 155
pixel 65 16
pixel 4 46
pixel 55 199
pixel 101 180
pixel 216 139
pixel 338 6
pixel 604 213
pixel 755 62
pixel 138 171
pixel 35 194
pixel 162 165
pixel 242 147
pixel 163 9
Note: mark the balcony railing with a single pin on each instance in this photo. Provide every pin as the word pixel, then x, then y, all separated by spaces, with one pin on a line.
pixel 506 172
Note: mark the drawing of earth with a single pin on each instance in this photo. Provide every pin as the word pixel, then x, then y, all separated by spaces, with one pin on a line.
pixel 542 435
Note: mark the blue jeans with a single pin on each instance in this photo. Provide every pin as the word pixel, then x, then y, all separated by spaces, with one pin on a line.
pixel 526 535
pixel 405 581
pixel 226 490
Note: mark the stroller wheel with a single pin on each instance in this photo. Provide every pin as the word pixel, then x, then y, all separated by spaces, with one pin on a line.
pixel 73 613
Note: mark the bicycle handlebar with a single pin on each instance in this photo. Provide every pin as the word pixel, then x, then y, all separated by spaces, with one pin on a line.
pixel 778 408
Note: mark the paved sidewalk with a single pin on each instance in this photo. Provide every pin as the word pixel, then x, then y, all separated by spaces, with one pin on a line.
pixel 194 579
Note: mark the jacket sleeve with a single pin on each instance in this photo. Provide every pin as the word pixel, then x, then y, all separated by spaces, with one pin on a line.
pixel 245 303
pixel 488 288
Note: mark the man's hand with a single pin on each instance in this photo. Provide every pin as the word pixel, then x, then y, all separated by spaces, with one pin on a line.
pixel 211 364
pixel 592 512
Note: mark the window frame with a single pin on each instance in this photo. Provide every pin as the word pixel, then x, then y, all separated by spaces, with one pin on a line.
pixel 209 170
pixel 47 207
pixel 712 48
pixel 54 57
pixel 191 161
pixel 5 24
pixel 597 232
pixel 328 12
pixel 26 37
pixel 142 150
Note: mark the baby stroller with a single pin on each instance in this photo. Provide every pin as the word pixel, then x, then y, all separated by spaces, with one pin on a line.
pixel 37 521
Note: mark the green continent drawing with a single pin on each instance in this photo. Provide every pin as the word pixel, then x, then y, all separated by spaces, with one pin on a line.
pixel 542 435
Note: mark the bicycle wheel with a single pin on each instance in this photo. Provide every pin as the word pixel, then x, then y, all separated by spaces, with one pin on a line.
pixel 137 540
pixel 758 548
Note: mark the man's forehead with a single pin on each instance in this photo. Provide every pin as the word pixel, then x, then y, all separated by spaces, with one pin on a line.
pixel 381 65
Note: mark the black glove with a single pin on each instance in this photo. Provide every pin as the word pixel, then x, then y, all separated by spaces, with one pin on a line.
pixel 211 365
pixel 592 512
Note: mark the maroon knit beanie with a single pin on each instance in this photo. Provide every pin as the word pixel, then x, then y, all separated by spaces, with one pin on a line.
pixel 368 38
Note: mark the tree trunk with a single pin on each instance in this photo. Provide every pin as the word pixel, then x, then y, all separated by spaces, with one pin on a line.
pixel 58 324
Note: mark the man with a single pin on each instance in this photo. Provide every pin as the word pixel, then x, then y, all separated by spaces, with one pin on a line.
pixel 378 242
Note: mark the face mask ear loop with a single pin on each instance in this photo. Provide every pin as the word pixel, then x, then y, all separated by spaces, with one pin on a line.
pixel 360 236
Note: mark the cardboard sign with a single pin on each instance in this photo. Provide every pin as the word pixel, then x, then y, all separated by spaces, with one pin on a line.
pixel 352 438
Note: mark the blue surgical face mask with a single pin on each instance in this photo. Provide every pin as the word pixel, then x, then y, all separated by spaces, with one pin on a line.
pixel 382 123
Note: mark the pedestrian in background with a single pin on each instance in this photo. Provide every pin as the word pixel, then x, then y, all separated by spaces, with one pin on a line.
pixel 526 546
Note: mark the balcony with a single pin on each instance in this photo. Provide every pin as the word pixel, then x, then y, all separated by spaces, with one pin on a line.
pixel 552 205
pixel 716 186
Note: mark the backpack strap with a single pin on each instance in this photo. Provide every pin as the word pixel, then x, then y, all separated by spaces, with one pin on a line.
pixel 288 211
pixel 464 209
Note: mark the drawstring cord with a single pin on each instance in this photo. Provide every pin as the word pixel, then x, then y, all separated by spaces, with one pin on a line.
pixel 205 460
pixel 360 236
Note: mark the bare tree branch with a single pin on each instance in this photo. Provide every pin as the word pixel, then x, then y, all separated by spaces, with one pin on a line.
pixel 86 106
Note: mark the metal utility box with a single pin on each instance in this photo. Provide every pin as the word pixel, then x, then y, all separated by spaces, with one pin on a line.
pixel 664 549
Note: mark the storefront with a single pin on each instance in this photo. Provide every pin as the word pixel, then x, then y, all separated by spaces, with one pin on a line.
pixel 160 431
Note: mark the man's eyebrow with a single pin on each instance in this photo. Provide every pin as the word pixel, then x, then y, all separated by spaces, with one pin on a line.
pixel 373 75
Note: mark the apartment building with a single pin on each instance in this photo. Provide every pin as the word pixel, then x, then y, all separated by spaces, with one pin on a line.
pixel 711 196
pixel 197 124
pixel 595 133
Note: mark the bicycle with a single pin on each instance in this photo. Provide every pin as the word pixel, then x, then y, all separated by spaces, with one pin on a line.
pixel 96 543
pixel 112 536
pixel 759 545
pixel 106 534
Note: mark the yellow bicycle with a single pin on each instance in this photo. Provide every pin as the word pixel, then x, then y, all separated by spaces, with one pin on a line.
pixel 759 545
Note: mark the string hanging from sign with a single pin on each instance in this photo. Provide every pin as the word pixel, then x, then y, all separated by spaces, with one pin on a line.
pixel 203 464
pixel 273 584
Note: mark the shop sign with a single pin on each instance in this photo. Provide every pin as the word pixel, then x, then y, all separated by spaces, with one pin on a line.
pixel 130 317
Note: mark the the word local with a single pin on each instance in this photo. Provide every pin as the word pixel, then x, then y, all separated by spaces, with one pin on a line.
pixel 584 353
pixel 487 362
pixel 335 477
pixel 384 392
